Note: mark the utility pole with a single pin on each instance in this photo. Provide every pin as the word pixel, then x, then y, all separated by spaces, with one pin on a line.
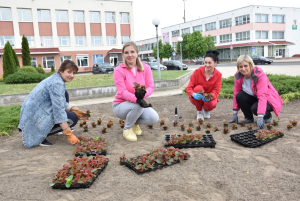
pixel 184 10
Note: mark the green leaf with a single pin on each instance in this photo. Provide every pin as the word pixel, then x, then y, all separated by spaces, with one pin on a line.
pixel 69 181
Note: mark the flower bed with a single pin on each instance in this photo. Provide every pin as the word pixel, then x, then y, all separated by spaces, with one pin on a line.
pixel 90 146
pixel 189 141
pixel 79 172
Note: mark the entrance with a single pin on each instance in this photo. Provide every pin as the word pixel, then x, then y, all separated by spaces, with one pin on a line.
pixel 280 53
pixel 113 59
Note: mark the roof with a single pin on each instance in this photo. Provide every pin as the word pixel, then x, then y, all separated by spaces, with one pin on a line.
pixel 114 50
pixel 256 44
pixel 53 50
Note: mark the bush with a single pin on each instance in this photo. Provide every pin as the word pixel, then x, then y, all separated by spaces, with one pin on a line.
pixel 25 77
pixel 1 79
pixel 52 69
pixel 39 65
pixel 27 69
pixel 40 70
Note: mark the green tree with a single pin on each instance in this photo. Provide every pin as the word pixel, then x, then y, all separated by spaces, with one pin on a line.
pixel 154 53
pixel 8 61
pixel 26 59
pixel 16 59
pixel 196 45
pixel 167 50
pixel 184 47
pixel 210 42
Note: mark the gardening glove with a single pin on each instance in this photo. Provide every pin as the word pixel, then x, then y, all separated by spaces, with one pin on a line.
pixel 71 138
pixel 260 122
pixel 206 99
pixel 140 94
pixel 197 96
pixel 143 103
pixel 79 113
pixel 234 119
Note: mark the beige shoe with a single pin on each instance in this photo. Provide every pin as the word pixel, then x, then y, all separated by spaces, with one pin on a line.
pixel 136 129
pixel 129 135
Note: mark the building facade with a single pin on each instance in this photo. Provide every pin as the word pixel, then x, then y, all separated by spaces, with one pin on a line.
pixel 85 31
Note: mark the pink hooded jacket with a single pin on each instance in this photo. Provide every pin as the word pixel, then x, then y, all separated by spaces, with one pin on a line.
pixel 124 79
pixel 262 88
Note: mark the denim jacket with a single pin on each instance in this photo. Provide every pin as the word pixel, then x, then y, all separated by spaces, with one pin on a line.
pixel 42 109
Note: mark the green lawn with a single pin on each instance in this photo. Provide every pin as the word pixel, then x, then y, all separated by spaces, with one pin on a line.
pixel 84 81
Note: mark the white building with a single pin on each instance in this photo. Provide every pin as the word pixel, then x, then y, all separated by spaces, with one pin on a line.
pixel 85 31
pixel 254 30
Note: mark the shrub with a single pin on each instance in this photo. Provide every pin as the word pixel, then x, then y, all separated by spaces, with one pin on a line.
pixel 28 69
pixel 9 65
pixel 40 70
pixel 52 69
pixel 39 65
pixel 25 77
pixel 1 79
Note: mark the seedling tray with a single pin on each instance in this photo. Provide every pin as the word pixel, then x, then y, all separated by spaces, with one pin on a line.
pixel 86 185
pixel 91 153
pixel 207 141
pixel 248 139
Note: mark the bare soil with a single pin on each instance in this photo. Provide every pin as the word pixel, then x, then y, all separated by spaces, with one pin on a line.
pixel 227 172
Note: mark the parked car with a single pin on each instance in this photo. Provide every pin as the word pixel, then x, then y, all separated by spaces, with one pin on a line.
pixel 154 66
pixel 102 68
pixel 260 59
pixel 151 59
pixel 199 61
pixel 118 63
pixel 175 65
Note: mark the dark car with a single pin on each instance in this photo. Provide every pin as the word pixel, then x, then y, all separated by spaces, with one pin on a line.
pixel 119 63
pixel 199 61
pixel 261 60
pixel 175 65
pixel 102 68
pixel 154 66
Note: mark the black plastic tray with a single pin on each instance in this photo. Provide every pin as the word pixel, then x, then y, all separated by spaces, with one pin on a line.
pixel 92 153
pixel 207 141
pixel 86 185
pixel 248 139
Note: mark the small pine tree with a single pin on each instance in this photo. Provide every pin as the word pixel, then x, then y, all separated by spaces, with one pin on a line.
pixel 16 59
pixel 26 59
pixel 52 69
pixel 8 61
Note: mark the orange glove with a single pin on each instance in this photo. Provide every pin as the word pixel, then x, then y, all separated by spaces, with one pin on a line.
pixel 72 138
pixel 79 113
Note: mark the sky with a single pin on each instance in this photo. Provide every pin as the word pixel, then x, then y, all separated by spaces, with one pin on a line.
pixel 170 12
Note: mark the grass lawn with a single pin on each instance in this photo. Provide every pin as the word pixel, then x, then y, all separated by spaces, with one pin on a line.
pixel 85 81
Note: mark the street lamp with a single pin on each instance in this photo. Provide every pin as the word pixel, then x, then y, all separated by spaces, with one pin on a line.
pixel 180 39
pixel 156 22
pixel 184 10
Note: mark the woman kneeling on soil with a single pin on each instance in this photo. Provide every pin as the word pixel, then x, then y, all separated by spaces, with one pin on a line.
pixel 254 93
pixel 128 104
pixel 206 79
pixel 46 110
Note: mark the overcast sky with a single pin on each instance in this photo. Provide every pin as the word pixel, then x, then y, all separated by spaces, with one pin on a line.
pixel 170 12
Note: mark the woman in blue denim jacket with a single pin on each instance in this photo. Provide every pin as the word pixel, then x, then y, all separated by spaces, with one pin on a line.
pixel 45 111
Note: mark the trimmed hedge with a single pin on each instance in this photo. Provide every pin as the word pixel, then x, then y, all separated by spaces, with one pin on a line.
pixel 27 69
pixel 25 77
pixel 40 70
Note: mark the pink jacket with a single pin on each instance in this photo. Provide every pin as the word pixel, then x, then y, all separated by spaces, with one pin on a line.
pixel 262 88
pixel 124 79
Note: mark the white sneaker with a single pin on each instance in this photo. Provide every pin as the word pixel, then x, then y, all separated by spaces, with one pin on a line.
pixel 206 114
pixel 200 115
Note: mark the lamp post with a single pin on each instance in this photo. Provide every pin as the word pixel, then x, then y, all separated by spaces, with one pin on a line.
pixel 156 22
pixel 184 10
pixel 180 39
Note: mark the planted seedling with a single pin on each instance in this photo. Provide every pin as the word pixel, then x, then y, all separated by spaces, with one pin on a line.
pixel 85 128
pixel 150 126
pixel 162 122
pixel 233 126
pixel 165 126
pixel 207 130
pixel 249 127
pixel 81 124
pixel 198 128
pixel 175 123
pixel 225 124
pixel 216 129
pixel 104 130
pixel 208 125
pixel 225 130
pixel 122 125
pixel 88 113
pixel 289 126
pixel 275 122
pixel 99 121
pixel 109 124
pixel 200 121
pixel 182 126
pixel 191 124
pixel 242 123
pixel 269 126
pixel 294 122
pixel 93 124
pixel 122 160
pixel 189 130
pixel 84 122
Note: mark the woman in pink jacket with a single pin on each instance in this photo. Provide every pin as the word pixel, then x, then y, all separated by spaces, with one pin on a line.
pixel 126 104
pixel 254 94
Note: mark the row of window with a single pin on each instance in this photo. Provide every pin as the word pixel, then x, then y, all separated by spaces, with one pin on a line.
pixel 25 15
pixel 244 19
pixel 47 41
pixel 246 36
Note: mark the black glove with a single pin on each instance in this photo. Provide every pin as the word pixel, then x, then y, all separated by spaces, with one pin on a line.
pixel 140 94
pixel 143 103
pixel 234 119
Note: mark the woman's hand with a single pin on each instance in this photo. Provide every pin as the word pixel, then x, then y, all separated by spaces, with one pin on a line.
pixel 79 113
pixel 206 99
pixel 140 94
pixel 260 122
pixel 197 96
pixel 71 138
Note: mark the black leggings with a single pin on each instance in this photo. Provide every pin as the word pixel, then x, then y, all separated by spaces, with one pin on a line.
pixel 249 104
pixel 72 119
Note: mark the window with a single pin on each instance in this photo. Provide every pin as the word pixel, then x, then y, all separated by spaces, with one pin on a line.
pixel 62 58
pixel 96 40
pixel 225 23
pixel 46 41
pixel 48 62
pixel 124 18
pixel 98 59
pixel 80 41
pixel 109 17
pixel 94 17
pixel 125 39
pixel 174 45
pixel 82 60
pixel 242 20
pixel 242 36
pixel 62 16
pixel 43 15
pixel 5 14
pixel 24 15
pixel 261 18
pixel 197 28
pixel 111 40
pixel 5 39
pixel 33 62
pixel 261 34
pixel 210 26
pixel 63 40
pixel 30 40
pixel 215 39
pixel 185 31
pixel 78 16
pixel 225 38
pixel 175 33
pixel 278 18
pixel 277 34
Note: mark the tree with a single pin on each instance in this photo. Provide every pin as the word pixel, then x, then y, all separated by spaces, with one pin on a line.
pixel 8 61
pixel 26 59
pixel 210 41
pixel 184 43
pixel 196 45
pixel 154 53
pixel 16 59
pixel 167 50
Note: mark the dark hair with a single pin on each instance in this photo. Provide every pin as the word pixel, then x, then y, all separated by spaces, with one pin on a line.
pixel 212 54
pixel 68 64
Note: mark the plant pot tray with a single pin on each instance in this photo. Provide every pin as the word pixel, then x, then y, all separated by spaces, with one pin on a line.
pixel 248 139
pixel 86 185
pixel 207 141
pixel 92 153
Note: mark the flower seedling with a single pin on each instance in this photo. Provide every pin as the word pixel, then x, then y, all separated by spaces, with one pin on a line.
pixel 122 125
pixel 99 121
pixel 207 130
pixel 90 146
pixel 162 122
pixel 249 127
pixel 150 126
pixel 233 126
pixel 294 122
pixel 122 160
pixel 208 95
pixel 200 121
pixel 175 123
pixel 216 129
pixel 275 122
pixel 189 130
pixel 104 130
pixel 269 126
pixel 93 124
pixel 81 124
pixel 182 126
pixel 84 122
pixel 225 130
pixel 85 128
pixel 208 125
pixel 198 128
pixel 185 138
pixel 242 123
pixel 191 124
pixel 88 113
pixel 165 126
pixel 289 126
pixel 268 134
pixel 141 89
pixel 109 124
pixel 225 124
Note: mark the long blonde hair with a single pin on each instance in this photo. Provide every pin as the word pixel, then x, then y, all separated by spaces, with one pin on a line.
pixel 139 64
pixel 246 58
